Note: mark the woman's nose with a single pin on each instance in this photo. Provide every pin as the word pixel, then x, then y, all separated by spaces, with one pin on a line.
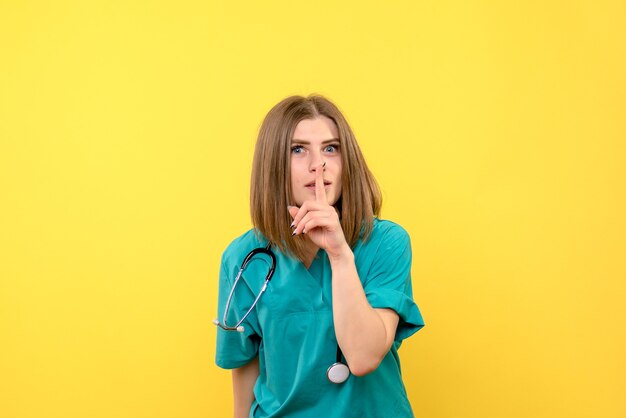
pixel 315 160
pixel 313 167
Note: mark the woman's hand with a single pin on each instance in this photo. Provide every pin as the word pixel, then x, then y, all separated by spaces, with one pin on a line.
pixel 319 220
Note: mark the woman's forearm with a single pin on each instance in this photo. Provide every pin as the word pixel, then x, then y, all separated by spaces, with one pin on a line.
pixel 244 379
pixel 364 334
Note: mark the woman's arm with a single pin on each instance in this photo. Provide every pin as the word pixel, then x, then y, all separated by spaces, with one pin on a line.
pixel 364 334
pixel 244 379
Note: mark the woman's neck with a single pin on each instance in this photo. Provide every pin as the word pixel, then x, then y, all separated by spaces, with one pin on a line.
pixel 310 251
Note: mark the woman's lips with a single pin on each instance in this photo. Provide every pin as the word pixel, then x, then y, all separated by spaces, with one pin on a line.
pixel 312 185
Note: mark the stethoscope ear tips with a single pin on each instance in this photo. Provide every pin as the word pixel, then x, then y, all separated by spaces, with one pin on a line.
pixel 240 328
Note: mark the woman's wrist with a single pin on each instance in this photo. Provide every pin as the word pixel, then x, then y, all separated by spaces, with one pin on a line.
pixel 341 256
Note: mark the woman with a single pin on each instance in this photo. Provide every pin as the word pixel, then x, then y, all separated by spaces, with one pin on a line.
pixel 341 289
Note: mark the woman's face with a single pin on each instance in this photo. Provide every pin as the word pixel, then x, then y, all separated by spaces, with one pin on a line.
pixel 315 142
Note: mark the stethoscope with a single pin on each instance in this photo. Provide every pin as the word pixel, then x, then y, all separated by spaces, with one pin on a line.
pixel 338 372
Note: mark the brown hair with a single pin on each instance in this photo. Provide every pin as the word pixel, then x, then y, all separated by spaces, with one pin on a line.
pixel 270 187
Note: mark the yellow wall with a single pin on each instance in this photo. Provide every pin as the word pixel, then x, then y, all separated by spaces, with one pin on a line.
pixel 496 129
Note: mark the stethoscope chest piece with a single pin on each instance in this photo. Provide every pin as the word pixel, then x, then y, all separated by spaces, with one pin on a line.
pixel 338 373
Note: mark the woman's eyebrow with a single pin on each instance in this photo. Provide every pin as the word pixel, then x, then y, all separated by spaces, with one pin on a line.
pixel 306 142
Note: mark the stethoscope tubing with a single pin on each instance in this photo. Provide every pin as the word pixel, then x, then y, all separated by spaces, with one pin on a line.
pixel 238 327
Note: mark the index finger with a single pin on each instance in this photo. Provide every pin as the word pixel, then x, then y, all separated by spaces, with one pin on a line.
pixel 320 192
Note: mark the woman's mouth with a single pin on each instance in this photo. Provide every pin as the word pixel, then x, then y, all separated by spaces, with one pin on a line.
pixel 312 185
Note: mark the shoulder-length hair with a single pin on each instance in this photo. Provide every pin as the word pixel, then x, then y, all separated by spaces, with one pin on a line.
pixel 270 187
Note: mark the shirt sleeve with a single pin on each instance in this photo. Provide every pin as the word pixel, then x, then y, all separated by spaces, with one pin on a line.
pixel 388 284
pixel 235 349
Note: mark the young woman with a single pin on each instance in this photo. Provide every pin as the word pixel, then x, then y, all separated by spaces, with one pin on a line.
pixel 321 338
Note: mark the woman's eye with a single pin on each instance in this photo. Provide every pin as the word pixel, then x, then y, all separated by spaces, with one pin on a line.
pixel 331 148
pixel 297 149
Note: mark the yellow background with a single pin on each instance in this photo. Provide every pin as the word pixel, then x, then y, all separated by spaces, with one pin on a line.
pixel 496 129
